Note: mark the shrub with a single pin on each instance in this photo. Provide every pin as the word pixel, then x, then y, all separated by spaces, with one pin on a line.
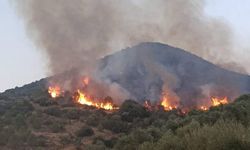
pixel 93 120
pixel 67 139
pixel 115 125
pixel 72 114
pixel 85 131
pixel 56 127
pixel 224 135
pixel 45 102
pixel 36 141
pixel 53 111
pixel 130 110
pixel 134 140
pixel 36 120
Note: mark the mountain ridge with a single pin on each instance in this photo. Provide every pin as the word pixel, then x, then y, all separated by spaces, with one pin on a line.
pixel 141 70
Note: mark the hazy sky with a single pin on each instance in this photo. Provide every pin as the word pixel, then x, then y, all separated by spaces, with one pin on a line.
pixel 21 62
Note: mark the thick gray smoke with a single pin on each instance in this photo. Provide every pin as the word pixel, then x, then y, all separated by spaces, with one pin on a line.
pixel 74 33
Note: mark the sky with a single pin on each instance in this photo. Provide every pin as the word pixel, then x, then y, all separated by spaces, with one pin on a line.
pixel 21 62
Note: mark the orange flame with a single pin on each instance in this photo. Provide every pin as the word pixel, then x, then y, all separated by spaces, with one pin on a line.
pixel 204 108
pixel 86 81
pixel 147 105
pixel 167 105
pixel 214 102
pixel 83 99
pixel 217 101
pixel 54 91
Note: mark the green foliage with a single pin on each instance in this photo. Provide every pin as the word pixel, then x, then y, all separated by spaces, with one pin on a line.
pixel 53 111
pixel 133 141
pixel 20 108
pixel 93 120
pixel 37 141
pixel 85 131
pixel 115 124
pixel 35 120
pixel 66 139
pixel 26 125
pixel 56 127
pixel 45 102
pixel 109 143
pixel 224 135
pixel 72 114
pixel 99 146
pixel 131 110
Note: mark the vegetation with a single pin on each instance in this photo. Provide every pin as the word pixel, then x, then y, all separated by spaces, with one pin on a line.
pixel 34 121
pixel 85 131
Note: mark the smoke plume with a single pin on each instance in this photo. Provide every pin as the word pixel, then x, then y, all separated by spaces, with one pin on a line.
pixel 77 32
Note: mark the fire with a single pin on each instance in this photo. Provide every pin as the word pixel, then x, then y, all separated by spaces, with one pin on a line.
pixel 217 101
pixel 86 81
pixel 214 102
pixel 148 105
pixel 54 91
pixel 83 99
pixel 204 108
pixel 167 105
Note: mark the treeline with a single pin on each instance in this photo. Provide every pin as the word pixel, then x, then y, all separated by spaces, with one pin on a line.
pixel 38 122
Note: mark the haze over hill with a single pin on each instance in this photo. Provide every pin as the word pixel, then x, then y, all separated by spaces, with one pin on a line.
pixel 149 70
pixel 31 118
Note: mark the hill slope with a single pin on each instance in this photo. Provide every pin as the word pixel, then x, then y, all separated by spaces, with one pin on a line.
pixel 144 69
pixel 31 119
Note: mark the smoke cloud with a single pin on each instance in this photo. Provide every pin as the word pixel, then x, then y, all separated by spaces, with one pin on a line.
pixel 77 32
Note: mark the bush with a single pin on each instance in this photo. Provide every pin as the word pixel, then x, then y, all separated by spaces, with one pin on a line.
pixel 36 141
pixel 131 110
pixel 53 111
pixel 93 120
pixel 45 102
pixel 134 140
pixel 36 120
pixel 224 135
pixel 85 131
pixel 56 127
pixel 20 108
pixel 115 125
pixel 66 139
pixel 72 114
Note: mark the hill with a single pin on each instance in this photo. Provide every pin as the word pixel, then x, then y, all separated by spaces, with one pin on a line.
pixel 31 119
pixel 146 69
pixel 37 121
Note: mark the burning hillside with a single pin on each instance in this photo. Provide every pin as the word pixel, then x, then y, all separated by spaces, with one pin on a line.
pixel 85 34
pixel 163 75
pixel 166 102
pixel 81 96
pixel 54 91
pixel 83 99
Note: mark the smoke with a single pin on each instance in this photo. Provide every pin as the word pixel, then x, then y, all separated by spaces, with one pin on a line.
pixel 75 33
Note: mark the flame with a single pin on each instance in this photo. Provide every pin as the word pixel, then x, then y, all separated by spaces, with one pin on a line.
pixel 217 101
pixel 85 81
pixel 167 105
pixel 147 105
pixel 54 91
pixel 83 99
pixel 204 108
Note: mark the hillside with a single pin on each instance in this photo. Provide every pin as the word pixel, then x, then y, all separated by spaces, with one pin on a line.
pixel 37 121
pixel 144 69
pixel 31 119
